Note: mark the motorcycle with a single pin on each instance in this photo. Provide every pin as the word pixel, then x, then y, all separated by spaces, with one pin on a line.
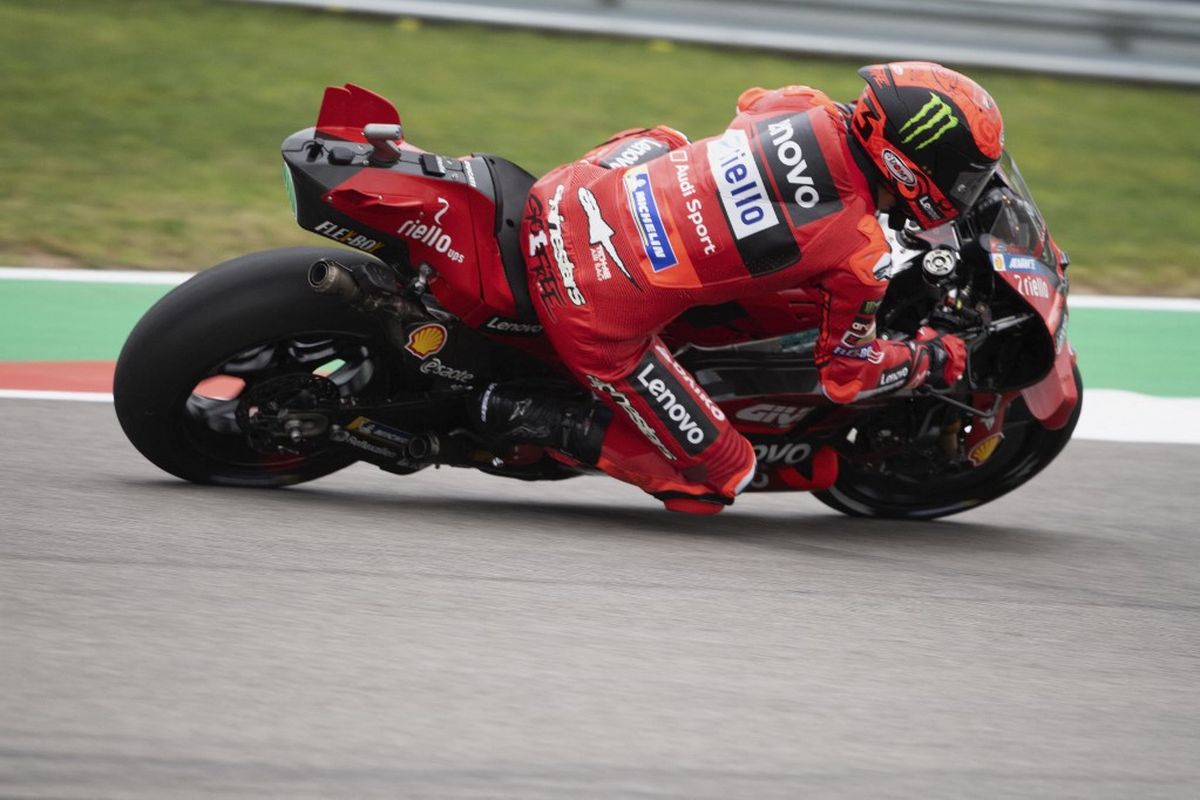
pixel 282 366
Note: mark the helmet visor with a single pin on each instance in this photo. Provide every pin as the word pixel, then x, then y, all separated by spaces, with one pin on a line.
pixel 969 184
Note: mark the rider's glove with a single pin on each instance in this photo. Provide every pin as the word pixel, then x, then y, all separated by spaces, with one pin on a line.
pixel 947 357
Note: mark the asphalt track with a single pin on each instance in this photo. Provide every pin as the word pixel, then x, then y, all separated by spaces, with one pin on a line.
pixel 451 635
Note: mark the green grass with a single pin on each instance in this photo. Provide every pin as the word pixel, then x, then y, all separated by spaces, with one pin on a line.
pixel 145 133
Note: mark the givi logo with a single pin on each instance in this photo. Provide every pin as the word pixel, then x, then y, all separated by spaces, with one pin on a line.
pixel 771 414
pixel 426 340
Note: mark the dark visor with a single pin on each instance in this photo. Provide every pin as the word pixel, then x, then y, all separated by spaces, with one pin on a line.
pixel 970 184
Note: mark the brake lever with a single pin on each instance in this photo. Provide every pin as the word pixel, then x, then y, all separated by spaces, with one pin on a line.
pixel 1004 323
pixel 976 333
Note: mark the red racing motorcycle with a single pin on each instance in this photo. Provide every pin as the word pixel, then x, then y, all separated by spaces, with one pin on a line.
pixel 286 365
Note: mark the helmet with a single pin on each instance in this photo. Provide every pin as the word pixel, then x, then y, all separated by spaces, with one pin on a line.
pixel 935 135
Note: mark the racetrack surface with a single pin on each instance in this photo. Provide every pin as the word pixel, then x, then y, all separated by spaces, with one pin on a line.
pixel 452 635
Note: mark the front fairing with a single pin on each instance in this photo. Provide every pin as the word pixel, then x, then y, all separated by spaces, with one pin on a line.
pixel 1021 275
pixel 1022 251
pixel 1024 255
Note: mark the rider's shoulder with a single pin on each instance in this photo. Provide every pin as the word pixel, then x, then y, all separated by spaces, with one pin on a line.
pixel 796 98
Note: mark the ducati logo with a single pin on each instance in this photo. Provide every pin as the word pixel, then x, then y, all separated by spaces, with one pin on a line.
pixel 426 340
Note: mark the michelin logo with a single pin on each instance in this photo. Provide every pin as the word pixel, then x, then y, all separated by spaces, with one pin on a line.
pixel 648 220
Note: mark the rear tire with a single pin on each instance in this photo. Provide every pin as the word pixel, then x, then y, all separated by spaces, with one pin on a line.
pixel 260 304
pixel 1027 449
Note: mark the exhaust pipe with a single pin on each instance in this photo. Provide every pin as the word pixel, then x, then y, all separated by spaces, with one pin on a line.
pixel 329 277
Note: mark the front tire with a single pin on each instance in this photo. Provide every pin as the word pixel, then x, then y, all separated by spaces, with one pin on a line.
pixel 248 320
pixel 1027 449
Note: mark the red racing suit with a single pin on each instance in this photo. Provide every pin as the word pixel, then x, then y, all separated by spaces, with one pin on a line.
pixel 649 225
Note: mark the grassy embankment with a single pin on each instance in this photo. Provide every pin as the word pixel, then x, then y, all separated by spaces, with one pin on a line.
pixel 145 134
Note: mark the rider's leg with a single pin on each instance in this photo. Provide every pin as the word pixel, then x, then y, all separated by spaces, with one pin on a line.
pixel 517 415
pixel 666 436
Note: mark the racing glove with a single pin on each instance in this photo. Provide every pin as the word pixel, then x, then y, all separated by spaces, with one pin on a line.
pixel 947 357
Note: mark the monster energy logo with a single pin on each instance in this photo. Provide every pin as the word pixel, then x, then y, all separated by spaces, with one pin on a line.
pixel 925 122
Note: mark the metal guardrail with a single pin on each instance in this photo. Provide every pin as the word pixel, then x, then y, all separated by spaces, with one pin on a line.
pixel 1135 40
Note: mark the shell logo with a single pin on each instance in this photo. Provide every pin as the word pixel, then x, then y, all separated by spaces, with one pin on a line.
pixel 426 340
pixel 983 451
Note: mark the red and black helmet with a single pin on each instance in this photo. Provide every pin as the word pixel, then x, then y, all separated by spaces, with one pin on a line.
pixel 935 135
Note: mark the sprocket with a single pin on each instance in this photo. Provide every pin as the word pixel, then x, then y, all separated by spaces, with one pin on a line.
pixel 285 414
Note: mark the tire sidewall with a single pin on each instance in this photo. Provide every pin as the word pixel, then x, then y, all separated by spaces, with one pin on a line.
pixel 1009 468
pixel 251 300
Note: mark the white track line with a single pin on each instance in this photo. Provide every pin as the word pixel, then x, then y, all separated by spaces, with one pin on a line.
pixel 1134 303
pixel 144 277
pixel 77 397
pixel 1109 415
pixel 1113 415
pixel 155 278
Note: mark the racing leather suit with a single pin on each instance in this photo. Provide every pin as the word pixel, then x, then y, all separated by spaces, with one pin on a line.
pixel 648 225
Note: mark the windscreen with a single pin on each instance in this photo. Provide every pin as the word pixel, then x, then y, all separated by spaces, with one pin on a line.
pixel 1018 222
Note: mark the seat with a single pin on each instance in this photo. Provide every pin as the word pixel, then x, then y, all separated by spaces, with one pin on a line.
pixel 512 185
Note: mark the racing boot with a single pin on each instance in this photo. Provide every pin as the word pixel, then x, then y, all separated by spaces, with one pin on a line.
pixel 507 415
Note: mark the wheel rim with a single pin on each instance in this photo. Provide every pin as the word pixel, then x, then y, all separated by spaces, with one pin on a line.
pixel 1026 449
pixel 872 493
pixel 208 410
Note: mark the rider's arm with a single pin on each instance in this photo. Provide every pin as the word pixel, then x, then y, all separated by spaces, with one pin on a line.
pixel 852 360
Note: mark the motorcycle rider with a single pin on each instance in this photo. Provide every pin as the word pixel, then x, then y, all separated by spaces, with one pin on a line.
pixel 649 225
